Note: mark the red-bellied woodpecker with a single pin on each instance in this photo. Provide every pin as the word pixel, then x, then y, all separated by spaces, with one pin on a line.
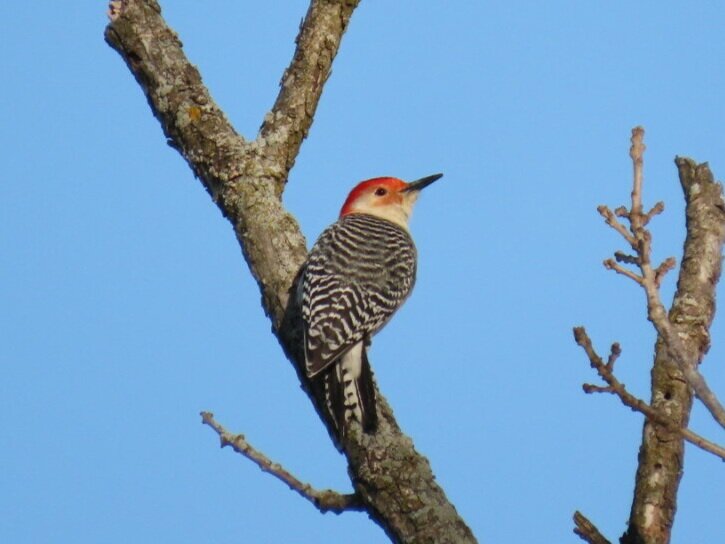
pixel 359 272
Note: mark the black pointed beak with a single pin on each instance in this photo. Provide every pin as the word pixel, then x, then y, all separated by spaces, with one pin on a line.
pixel 421 183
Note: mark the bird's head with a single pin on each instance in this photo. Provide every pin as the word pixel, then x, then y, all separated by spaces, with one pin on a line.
pixel 387 198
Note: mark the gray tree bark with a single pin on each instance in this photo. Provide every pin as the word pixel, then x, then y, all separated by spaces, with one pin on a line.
pixel 662 453
pixel 682 342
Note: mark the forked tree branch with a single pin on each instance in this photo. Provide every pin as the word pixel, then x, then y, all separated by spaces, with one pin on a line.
pixel 615 387
pixel 394 483
pixel 683 338
pixel 709 231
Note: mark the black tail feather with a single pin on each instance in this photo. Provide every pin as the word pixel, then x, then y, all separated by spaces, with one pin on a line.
pixel 346 398
pixel 366 387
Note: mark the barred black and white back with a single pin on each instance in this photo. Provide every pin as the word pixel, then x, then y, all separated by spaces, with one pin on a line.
pixel 357 275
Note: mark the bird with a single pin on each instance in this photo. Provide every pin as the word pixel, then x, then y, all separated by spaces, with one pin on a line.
pixel 359 272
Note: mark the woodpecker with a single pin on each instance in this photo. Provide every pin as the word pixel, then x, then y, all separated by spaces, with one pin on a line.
pixel 359 272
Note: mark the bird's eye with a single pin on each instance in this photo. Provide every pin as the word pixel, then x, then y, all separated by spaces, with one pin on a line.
pixel 380 191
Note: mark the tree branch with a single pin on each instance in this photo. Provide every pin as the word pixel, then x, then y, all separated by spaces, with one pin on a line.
pixel 610 218
pixel 587 531
pixel 710 229
pixel 288 123
pixel 683 338
pixel 245 179
pixel 611 264
pixel 615 387
pixel 325 501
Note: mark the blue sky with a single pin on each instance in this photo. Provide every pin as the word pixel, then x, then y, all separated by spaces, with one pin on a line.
pixel 127 307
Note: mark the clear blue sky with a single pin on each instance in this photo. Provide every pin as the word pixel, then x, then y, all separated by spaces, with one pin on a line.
pixel 127 307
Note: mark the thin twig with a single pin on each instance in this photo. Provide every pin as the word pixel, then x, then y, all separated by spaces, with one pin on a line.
pixel 326 500
pixel 587 530
pixel 664 267
pixel 615 387
pixel 611 264
pixel 610 218
pixel 637 154
pixel 656 210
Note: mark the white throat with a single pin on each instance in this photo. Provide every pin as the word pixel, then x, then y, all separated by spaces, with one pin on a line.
pixel 400 215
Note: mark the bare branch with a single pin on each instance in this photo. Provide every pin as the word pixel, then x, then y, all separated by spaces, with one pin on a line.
pixel 683 339
pixel 288 123
pixel 615 387
pixel 614 352
pixel 586 530
pixel 656 210
pixel 651 279
pixel 589 388
pixel 325 500
pixel 242 181
pixel 679 353
pixel 637 152
pixel 610 218
pixel 660 465
pixel 661 271
pixel 611 264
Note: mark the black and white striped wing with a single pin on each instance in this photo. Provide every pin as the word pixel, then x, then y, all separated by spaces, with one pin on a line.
pixel 358 273
pixel 333 321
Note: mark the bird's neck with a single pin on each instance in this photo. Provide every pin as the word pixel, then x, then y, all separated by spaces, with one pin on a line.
pixel 398 215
